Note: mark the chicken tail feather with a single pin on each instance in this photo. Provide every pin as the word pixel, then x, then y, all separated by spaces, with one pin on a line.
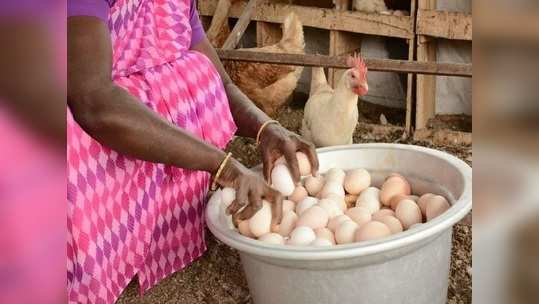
pixel 318 80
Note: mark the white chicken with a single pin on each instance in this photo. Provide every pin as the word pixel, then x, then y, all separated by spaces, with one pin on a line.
pixel 331 115
pixel 371 6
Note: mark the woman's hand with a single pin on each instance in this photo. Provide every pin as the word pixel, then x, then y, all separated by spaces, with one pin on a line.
pixel 277 141
pixel 251 189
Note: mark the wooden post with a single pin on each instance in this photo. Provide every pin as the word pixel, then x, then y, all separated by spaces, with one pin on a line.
pixel 411 77
pixel 240 27
pixel 426 85
pixel 341 43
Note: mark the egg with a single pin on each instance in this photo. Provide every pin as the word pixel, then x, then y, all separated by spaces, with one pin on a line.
pixel 325 233
pixel 298 195
pixel 301 236
pixel 394 185
pixel 260 223
pixel 346 232
pixel 288 206
pixel 356 181
pixel 319 242
pixel 395 200
pixel 360 215
pixel 338 200
pixel 381 213
pixel 336 221
pixel 244 229
pixel 370 199
pixel 332 187
pixel 335 174
pixel 314 217
pixel 414 226
pixel 314 184
pixel 303 163
pixel 392 223
pixel 280 161
pixel 282 180
pixel 436 205
pixel 272 238
pixel 305 204
pixel 288 223
pixel 408 213
pixel 422 202
pixel 408 186
pixel 228 195
pixel 372 231
pixel 331 207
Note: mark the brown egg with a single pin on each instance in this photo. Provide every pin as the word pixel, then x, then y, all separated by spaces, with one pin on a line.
pixel 313 184
pixel 325 233
pixel 408 186
pixel 370 199
pixel 372 231
pixel 436 205
pixel 335 174
pixel 360 215
pixel 422 202
pixel 288 223
pixel 336 221
pixel 408 213
pixel 381 213
pixel 392 223
pixel 303 163
pixel 346 232
pixel 356 181
pixel 394 185
pixel 288 206
pixel 244 229
pixel 314 217
pixel 299 194
pixel 394 201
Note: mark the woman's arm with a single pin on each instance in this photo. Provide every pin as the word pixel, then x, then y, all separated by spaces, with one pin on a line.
pixel 275 141
pixel 114 117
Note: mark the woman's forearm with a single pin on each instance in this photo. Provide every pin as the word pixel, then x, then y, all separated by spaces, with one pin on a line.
pixel 118 120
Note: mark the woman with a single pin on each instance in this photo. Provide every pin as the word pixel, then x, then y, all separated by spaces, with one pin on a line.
pixel 150 108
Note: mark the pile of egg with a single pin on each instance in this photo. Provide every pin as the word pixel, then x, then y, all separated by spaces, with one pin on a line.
pixel 337 208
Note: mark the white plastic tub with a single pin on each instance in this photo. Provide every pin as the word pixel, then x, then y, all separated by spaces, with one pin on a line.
pixel 410 267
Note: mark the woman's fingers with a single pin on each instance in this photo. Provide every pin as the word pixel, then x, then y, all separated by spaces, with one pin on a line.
pixel 241 198
pixel 267 166
pixel 310 151
pixel 276 201
pixel 289 151
pixel 255 204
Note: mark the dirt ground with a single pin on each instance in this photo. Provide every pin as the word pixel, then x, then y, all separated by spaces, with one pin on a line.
pixel 218 277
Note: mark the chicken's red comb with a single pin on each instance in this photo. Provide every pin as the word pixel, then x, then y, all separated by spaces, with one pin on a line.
pixel 356 61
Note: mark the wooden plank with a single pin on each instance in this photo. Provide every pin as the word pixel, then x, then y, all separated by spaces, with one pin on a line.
pixel 444 137
pixel 426 85
pixel 410 77
pixel 240 27
pixel 443 24
pixel 384 65
pixel 322 18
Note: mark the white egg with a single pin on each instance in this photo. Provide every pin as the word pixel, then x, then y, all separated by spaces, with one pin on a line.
pixel 336 221
pixel 299 194
pixel 313 184
pixel 288 223
pixel 272 238
pixel 381 213
pixel 356 181
pixel 228 195
pixel 332 187
pixel 340 201
pixel 305 204
pixel 321 242
pixel 282 180
pixel 392 223
pixel 372 231
pixel 370 199
pixel 288 206
pixel 301 236
pixel 314 217
pixel 335 174
pixel 243 228
pixel 260 223
pixel 303 163
pixel 346 232
pixel 331 207
pixel 325 233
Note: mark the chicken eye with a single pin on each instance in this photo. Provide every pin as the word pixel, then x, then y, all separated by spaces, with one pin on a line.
pixel 353 76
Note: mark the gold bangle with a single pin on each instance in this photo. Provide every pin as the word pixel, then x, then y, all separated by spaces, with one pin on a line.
pixel 219 171
pixel 264 125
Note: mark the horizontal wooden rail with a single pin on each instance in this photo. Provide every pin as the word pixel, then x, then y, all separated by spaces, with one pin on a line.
pixel 384 65
pixel 322 18
pixel 443 24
